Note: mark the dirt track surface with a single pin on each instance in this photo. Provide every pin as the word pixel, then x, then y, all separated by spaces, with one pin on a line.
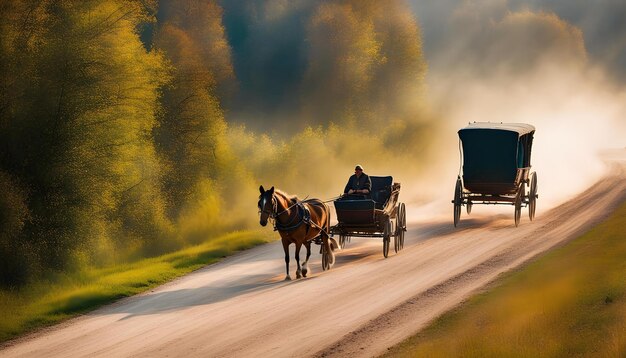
pixel 241 307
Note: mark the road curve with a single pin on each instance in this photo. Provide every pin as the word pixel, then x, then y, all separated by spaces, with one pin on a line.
pixel 240 307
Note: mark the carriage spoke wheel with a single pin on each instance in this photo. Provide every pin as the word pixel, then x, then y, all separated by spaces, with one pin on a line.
pixel 400 227
pixel 403 217
pixel 386 237
pixel 396 236
pixel 532 196
pixel 518 203
pixel 458 200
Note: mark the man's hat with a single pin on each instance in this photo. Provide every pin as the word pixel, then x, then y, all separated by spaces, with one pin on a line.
pixel 358 167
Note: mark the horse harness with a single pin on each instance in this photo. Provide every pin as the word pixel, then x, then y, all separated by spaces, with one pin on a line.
pixel 301 217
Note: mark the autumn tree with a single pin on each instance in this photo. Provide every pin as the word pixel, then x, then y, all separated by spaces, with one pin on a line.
pixel 191 131
pixel 365 63
pixel 79 98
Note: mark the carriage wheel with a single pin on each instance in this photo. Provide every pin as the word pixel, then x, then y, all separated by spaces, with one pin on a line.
pixel 403 225
pixel 400 226
pixel 386 237
pixel 469 207
pixel 458 200
pixel 518 203
pixel 532 196
pixel 396 242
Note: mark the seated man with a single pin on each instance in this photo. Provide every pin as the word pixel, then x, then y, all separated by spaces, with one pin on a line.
pixel 359 183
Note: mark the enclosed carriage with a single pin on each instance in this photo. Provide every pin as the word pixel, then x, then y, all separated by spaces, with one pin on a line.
pixel 496 168
pixel 376 215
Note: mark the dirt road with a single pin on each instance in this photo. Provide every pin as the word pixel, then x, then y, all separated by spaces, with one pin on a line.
pixel 241 307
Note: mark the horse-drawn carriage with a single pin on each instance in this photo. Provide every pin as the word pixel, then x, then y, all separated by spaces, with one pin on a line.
pixel 379 215
pixel 306 222
pixel 495 161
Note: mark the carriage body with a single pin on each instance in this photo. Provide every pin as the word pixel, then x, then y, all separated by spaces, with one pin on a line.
pixel 496 167
pixel 377 215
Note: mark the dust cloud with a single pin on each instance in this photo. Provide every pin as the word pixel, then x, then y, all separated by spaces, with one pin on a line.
pixel 494 64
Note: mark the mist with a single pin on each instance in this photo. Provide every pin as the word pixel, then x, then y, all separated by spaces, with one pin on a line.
pixel 304 64
pixel 601 23
pixel 325 86
pixel 502 61
pixel 511 61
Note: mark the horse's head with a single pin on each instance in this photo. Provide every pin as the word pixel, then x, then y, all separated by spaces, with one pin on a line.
pixel 267 204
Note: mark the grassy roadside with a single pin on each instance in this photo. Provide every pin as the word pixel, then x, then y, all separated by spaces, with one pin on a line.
pixel 569 302
pixel 46 303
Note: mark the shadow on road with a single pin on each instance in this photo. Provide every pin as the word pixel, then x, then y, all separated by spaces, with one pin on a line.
pixel 160 302
pixel 425 231
pixel 155 303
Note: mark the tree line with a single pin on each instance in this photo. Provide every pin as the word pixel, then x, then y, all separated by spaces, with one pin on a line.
pixel 113 138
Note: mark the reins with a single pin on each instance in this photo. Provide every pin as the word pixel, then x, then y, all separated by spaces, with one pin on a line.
pixel 289 208
pixel 333 199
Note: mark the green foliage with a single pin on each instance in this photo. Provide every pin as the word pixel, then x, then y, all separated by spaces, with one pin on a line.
pixel 365 64
pixel 13 216
pixel 108 151
pixel 112 149
pixel 81 96
pixel 191 128
pixel 203 181
pixel 570 302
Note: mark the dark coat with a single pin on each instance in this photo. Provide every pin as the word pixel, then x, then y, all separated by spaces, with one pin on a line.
pixel 354 183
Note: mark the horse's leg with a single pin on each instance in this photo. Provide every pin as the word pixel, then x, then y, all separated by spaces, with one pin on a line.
pixel 328 233
pixel 305 266
pixel 299 270
pixel 286 249
pixel 329 251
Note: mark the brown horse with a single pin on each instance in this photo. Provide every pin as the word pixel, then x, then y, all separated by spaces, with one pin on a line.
pixel 297 222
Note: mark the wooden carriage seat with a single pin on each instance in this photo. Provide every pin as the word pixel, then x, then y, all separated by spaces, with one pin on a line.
pixel 381 190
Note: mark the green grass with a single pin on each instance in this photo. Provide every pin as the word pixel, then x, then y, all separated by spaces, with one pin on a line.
pixel 569 302
pixel 45 303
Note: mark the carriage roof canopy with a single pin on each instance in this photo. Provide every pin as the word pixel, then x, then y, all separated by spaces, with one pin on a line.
pixel 519 128
pixel 492 152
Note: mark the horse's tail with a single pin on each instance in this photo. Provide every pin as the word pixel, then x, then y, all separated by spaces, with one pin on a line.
pixel 332 242
pixel 325 225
